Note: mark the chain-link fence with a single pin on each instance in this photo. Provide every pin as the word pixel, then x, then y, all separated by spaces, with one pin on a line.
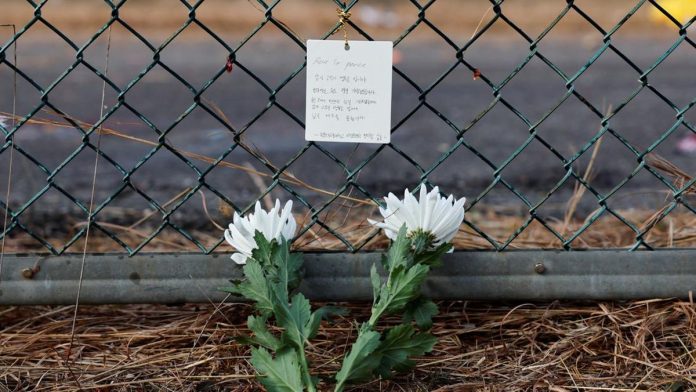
pixel 545 119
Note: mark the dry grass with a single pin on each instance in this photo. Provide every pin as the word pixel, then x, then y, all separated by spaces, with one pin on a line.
pixel 677 230
pixel 627 346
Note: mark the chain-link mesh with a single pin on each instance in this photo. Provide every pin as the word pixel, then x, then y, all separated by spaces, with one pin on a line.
pixel 276 178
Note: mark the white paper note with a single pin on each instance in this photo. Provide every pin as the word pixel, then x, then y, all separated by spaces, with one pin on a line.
pixel 349 91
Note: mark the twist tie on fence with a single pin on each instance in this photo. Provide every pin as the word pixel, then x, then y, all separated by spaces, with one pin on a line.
pixel 343 17
pixel 229 64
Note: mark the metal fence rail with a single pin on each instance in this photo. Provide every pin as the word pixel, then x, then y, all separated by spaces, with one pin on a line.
pixel 350 182
pixel 520 275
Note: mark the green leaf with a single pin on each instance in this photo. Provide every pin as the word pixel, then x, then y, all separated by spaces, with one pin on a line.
pixel 294 318
pixel 262 336
pixel 278 273
pixel 433 257
pixel 399 253
pixel 294 264
pixel 421 311
pixel 282 374
pixel 385 263
pixel 376 283
pixel 323 313
pixel 361 361
pixel 401 343
pixel 404 286
pixel 269 274
pixel 263 253
pixel 255 287
pixel 284 269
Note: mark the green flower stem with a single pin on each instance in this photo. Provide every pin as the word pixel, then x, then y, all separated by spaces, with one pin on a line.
pixel 407 263
pixel 420 241
pixel 270 275
pixel 377 311
pixel 374 317
pixel 306 376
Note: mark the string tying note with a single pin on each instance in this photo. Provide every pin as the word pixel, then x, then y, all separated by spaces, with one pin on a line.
pixel 343 17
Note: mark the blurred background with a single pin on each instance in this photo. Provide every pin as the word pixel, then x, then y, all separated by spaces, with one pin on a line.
pixel 447 103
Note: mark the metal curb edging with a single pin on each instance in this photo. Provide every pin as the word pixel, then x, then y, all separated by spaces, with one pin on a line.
pixel 514 275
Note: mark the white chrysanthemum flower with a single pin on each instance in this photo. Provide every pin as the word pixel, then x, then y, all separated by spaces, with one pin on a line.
pixel 433 214
pixel 275 224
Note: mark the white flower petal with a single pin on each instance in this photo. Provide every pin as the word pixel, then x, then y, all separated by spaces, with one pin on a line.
pixel 273 225
pixel 289 226
pixel 239 258
pixel 431 213
pixel 431 201
pixel 274 222
pixel 388 230
pixel 289 229
pixel 241 241
pixel 228 237
pixel 410 211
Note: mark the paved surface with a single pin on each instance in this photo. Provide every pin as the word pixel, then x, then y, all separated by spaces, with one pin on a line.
pixel 424 136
